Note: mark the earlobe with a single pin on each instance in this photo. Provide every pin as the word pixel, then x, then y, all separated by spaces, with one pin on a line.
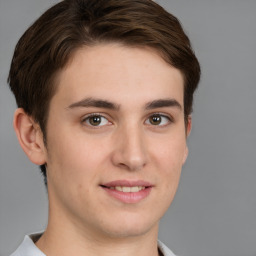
pixel 29 136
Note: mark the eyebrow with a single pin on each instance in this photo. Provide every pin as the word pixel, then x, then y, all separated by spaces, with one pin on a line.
pixel 161 103
pixel 100 103
pixel 91 102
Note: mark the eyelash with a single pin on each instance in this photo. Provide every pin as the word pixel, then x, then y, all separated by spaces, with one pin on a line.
pixel 169 119
pixel 161 115
pixel 87 118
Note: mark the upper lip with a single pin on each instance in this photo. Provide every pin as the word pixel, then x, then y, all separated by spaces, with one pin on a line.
pixel 127 183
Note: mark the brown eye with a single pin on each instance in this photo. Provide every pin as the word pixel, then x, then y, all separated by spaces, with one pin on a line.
pixel 155 119
pixel 96 120
pixel 158 120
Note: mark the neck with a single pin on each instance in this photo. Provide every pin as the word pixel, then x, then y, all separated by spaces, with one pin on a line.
pixel 65 238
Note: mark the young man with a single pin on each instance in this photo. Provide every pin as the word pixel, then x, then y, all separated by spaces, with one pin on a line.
pixel 104 91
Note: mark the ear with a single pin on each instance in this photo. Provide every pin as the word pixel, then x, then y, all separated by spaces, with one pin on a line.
pixel 30 137
pixel 188 130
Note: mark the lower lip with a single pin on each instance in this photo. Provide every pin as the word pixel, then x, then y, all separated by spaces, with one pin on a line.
pixel 129 197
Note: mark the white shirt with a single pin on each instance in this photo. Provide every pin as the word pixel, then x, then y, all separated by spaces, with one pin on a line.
pixel 28 247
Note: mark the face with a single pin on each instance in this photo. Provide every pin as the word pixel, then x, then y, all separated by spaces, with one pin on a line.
pixel 116 140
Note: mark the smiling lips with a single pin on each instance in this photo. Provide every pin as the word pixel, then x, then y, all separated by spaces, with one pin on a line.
pixel 128 191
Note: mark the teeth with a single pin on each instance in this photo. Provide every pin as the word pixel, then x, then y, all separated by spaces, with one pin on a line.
pixel 134 189
pixel 118 188
pixel 128 189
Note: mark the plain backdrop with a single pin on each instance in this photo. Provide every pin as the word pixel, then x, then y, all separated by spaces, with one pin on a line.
pixel 214 212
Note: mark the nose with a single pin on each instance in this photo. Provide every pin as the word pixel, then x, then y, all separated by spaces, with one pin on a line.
pixel 130 151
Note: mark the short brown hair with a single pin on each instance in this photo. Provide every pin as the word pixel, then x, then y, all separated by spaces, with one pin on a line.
pixel 45 48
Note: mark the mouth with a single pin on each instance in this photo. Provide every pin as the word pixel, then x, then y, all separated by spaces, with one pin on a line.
pixel 128 191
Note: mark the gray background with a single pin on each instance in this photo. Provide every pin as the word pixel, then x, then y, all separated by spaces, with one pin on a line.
pixel 214 212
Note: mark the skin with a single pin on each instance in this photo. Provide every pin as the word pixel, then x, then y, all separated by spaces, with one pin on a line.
pixel 126 144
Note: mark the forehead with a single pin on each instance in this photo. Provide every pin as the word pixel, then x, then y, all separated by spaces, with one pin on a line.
pixel 119 72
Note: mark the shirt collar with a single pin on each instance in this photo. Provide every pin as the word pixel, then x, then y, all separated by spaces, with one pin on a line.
pixel 28 247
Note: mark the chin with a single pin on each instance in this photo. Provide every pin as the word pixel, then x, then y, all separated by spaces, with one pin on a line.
pixel 130 227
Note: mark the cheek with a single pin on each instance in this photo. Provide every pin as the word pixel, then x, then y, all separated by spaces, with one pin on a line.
pixel 65 159
pixel 71 170
pixel 76 159
pixel 170 153
pixel 169 160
